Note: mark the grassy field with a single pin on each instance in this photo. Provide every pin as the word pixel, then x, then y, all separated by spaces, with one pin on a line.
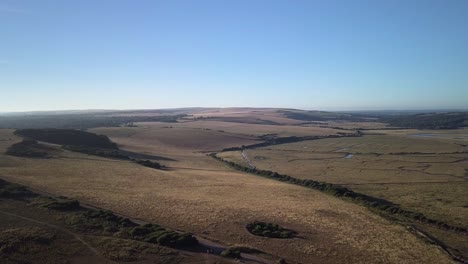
pixel 427 175
pixel 34 231
pixel 246 115
pixel 173 138
pixel 458 135
pixel 375 159
pixel 199 195
pixel 231 129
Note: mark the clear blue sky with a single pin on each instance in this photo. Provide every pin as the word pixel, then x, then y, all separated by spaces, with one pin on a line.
pixel 348 54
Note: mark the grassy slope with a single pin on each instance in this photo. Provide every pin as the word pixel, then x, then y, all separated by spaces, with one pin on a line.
pixel 220 202
pixel 30 233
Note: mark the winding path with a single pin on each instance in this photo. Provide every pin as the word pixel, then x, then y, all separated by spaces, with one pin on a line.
pixel 246 159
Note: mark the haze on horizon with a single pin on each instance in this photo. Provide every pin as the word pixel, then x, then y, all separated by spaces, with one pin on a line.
pixel 328 55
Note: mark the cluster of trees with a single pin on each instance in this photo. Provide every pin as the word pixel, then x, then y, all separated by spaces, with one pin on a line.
pixel 235 251
pixel 14 191
pixel 269 230
pixel 382 205
pixel 68 137
pixel 156 234
pixel 231 252
pixel 429 121
pixel 101 221
pixel 109 223
pixel 28 148
pixel 59 204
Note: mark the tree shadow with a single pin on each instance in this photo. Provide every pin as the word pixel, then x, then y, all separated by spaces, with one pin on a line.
pixel 136 155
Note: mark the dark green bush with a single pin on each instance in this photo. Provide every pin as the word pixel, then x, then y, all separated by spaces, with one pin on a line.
pixel 156 234
pixel 150 164
pixel 231 253
pixel 62 204
pixel 269 230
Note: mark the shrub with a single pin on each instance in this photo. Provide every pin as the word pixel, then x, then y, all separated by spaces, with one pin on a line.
pixel 150 164
pixel 177 240
pixel 231 253
pixel 63 205
pixel 156 234
pixel 269 230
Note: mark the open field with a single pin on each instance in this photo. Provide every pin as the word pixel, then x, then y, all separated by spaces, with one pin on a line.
pixel 33 231
pixel 238 129
pixel 246 115
pixel 350 125
pixel 390 159
pixel 204 197
pixel 458 135
pixel 427 175
pixel 382 166
pixel 174 138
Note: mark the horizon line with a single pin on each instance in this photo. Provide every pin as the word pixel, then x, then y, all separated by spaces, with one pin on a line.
pixel 238 107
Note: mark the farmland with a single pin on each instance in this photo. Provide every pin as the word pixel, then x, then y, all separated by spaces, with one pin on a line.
pixel 198 194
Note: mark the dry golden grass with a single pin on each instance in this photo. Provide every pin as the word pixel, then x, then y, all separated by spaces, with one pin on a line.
pixel 456 135
pixel 352 125
pixel 251 115
pixel 434 183
pixel 429 176
pixel 360 169
pixel 244 129
pixel 173 138
pixel 33 234
pixel 248 114
pixel 211 200
pixel 376 159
